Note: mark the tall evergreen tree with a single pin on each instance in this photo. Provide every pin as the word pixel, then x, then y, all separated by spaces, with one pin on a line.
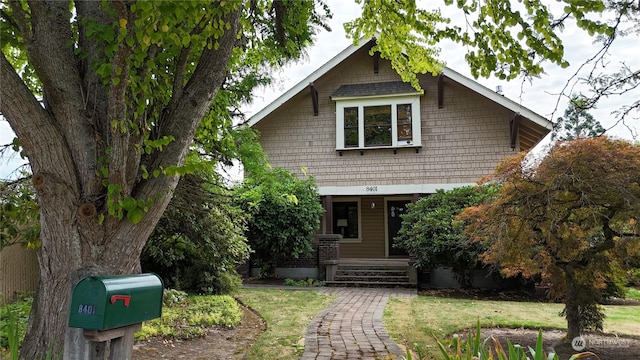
pixel 577 121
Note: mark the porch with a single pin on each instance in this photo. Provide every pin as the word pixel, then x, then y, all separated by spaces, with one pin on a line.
pixel 326 264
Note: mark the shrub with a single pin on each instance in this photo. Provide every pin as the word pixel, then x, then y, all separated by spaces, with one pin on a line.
pixel 200 240
pixel 309 282
pixel 187 318
pixel 633 277
pixel 430 233
pixel 173 297
pixel 285 214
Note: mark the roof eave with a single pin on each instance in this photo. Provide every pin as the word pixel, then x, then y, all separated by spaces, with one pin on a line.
pixel 305 82
pixel 451 74
pixel 500 99
pixel 353 97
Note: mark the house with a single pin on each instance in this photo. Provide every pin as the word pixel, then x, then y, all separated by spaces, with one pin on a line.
pixel 374 143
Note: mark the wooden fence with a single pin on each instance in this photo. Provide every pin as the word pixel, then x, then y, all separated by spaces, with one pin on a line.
pixel 18 272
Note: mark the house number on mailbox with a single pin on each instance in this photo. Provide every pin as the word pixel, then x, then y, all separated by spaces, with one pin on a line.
pixel 86 309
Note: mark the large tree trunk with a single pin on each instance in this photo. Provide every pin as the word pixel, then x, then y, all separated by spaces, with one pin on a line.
pixel 572 307
pixel 66 136
pixel 75 246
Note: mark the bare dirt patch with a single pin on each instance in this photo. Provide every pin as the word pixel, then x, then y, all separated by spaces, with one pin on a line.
pixel 218 344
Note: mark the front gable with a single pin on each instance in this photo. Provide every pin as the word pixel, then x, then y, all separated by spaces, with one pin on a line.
pixel 355 125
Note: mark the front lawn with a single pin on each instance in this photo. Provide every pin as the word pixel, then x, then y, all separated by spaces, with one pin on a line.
pixel 414 320
pixel 633 293
pixel 288 313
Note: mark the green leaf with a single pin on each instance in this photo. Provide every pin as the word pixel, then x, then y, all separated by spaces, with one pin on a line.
pixel 186 40
pixel 145 173
pixel 135 215
pixel 129 203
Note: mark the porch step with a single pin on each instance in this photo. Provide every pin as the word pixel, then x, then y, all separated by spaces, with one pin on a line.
pixel 373 278
pixel 370 284
pixel 371 275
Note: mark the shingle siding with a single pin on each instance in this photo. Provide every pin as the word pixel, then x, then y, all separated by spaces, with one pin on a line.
pixel 460 143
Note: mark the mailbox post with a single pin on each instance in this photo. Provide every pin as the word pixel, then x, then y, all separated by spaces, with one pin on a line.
pixel 110 309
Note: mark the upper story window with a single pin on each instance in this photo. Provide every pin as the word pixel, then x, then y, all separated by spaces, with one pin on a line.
pixel 366 120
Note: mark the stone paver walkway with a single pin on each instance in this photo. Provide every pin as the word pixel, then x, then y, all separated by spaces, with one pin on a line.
pixel 351 327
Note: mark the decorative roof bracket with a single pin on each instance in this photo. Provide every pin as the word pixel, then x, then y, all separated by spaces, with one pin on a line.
pixel 376 62
pixel 314 98
pixel 514 124
pixel 440 91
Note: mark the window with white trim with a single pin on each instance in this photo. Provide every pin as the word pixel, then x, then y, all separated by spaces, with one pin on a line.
pixel 378 122
pixel 346 219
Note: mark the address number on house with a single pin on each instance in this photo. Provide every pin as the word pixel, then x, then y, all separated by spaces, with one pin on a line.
pixel 371 189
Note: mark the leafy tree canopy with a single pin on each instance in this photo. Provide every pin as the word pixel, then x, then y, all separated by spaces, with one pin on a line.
pixel 503 38
pixel 105 98
pixel 508 39
pixel 572 218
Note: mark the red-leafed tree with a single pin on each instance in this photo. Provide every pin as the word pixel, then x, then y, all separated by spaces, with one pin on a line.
pixel 573 219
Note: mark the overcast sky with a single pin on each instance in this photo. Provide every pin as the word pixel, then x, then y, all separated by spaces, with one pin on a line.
pixel 540 96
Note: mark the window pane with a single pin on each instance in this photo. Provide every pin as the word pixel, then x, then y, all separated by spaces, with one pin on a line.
pixel 345 219
pixel 404 123
pixel 351 127
pixel 377 125
pixel 351 137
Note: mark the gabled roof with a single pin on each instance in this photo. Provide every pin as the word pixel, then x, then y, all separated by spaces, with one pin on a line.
pixel 451 74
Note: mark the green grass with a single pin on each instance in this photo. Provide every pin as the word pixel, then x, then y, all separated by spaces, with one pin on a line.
pixel 414 320
pixel 633 293
pixel 288 313
pixel 409 320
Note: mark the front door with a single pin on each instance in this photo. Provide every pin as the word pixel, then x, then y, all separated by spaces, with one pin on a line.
pixel 395 208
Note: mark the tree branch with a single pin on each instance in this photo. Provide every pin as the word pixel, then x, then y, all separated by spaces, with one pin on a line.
pixel 51 53
pixel 19 20
pixel 117 108
pixel 181 123
pixel 181 67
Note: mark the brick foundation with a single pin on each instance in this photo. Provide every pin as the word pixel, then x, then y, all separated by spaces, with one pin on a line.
pixel 328 255
pixel 325 254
